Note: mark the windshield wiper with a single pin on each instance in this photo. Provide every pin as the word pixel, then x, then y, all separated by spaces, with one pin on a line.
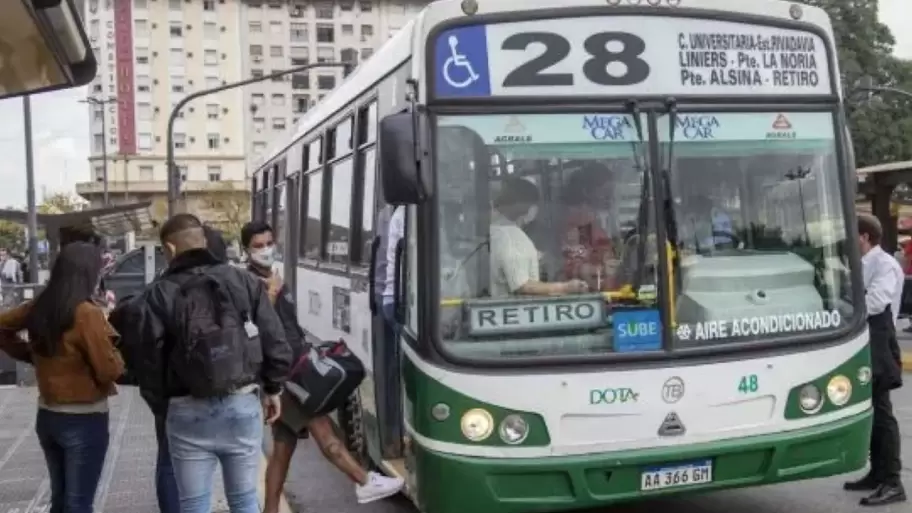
pixel 671 221
pixel 643 214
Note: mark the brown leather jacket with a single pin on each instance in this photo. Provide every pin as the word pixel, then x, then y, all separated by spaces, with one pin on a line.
pixel 86 364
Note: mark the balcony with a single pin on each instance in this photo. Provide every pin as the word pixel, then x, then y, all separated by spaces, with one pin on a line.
pixel 88 189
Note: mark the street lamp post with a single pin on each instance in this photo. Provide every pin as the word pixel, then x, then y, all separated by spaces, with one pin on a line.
pixel 104 141
pixel 173 178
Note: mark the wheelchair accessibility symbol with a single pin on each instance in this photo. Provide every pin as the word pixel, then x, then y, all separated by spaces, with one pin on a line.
pixel 463 75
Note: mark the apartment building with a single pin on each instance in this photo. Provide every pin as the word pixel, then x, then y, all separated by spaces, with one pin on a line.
pixel 280 35
pixel 152 53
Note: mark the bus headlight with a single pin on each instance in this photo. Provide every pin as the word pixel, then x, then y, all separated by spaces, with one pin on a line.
pixel 514 429
pixel 477 424
pixel 839 390
pixel 864 375
pixel 809 399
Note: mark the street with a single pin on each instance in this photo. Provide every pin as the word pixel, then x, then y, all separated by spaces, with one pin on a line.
pixel 314 486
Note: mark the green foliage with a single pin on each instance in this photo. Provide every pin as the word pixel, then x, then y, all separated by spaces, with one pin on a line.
pixel 881 126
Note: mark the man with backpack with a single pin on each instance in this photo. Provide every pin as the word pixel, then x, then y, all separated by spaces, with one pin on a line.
pixel 295 422
pixel 210 341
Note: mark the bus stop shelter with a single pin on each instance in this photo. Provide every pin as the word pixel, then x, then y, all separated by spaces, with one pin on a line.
pixel 877 184
pixel 87 225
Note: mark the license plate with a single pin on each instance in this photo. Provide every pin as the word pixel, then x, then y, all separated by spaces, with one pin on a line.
pixel 684 474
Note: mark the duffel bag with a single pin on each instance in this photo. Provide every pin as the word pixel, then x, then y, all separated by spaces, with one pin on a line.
pixel 326 375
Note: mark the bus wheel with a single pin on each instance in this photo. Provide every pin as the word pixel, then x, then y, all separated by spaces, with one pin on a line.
pixel 350 422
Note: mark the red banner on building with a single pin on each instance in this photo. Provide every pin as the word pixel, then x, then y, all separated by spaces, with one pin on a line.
pixel 123 54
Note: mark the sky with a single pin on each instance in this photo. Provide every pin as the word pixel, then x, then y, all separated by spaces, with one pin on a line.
pixel 61 128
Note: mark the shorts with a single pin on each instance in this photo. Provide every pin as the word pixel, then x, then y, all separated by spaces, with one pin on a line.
pixel 292 424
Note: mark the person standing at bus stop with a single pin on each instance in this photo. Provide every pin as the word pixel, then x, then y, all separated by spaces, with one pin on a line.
pixel 883 281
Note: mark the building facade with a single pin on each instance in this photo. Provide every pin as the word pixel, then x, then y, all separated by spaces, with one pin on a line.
pixel 152 53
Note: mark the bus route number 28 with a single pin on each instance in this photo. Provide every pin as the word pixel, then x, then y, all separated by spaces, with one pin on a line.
pixel 614 59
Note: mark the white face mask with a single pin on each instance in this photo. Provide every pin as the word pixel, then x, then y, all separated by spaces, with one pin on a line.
pixel 264 257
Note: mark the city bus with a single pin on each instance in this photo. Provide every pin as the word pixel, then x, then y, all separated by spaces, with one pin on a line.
pixel 689 176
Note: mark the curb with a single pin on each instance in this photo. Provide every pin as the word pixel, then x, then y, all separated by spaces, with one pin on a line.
pixel 907 360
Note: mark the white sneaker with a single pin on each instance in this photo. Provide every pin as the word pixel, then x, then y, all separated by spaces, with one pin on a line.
pixel 378 487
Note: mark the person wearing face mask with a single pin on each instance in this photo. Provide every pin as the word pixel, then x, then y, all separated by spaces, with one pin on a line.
pixel 514 258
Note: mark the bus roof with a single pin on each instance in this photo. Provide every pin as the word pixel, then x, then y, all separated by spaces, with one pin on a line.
pixel 412 37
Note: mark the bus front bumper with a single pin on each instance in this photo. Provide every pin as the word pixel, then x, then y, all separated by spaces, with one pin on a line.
pixel 449 483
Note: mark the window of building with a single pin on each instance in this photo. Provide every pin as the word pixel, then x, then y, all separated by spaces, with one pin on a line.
pixel 326 82
pixel 143 83
pixel 141 28
pixel 146 173
pixel 348 30
pixel 212 82
pixel 210 57
pixel 349 55
pixel 340 217
pixel 259 147
pixel 346 5
pixel 182 172
pixel 300 81
pixel 366 53
pixel 258 99
pixel 214 172
pixel 325 54
pixel 276 51
pixel 367 6
pixel 256 50
pixel 275 28
pixel 298 33
pixel 278 100
pixel 142 55
pixel 144 141
pixel 144 111
pixel 177 57
pixel 313 237
pixel 210 30
pixel 278 123
pixel 301 102
pixel 259 124
pixel 212 111
pixel 256 73
pixel 367 31
pixel 297 11
pixel 177 84
pixel 140 4
pixel 99 172
pixel 213 141
pixel 325 33
pixel 209 5
pixel 176 29
pixel 255 27
pixel 174 5
pixel 324 10
pixel 97 112
pixel 280 78
pixel 96 87
pixel 180 141
pixel 98 143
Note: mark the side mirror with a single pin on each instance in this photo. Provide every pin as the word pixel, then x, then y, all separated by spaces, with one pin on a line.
pixel 405 178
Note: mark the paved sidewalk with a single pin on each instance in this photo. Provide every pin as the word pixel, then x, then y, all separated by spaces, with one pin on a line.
pixel 127 483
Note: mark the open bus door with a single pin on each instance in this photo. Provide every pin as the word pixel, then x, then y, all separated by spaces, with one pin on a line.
pixel 43 47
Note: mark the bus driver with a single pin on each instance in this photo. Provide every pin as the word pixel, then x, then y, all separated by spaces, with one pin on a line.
pixel 514 258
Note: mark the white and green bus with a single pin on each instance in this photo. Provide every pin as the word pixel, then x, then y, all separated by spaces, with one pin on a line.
pixel 722 340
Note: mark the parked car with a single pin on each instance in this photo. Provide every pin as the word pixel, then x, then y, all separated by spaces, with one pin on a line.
pixel 128 276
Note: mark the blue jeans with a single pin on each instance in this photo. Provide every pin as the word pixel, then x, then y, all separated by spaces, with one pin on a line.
pixel 165 484
pixel 74 445
pixel 204 432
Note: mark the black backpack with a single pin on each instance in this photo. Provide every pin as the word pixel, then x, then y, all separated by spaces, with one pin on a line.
pixel 212 338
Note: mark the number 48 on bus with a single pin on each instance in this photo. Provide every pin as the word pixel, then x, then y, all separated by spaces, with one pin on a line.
pixel 748 384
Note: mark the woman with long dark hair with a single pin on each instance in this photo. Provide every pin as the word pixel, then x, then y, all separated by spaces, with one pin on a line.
pixel 71 345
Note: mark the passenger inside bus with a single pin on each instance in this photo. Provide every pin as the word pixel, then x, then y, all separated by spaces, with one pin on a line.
pixel 514 257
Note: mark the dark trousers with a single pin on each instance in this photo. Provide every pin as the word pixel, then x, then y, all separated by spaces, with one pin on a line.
pixel 74 445
pixel 165 483
pixel 885 456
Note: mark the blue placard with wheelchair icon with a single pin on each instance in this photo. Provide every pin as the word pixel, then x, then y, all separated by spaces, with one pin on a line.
pixel 461 63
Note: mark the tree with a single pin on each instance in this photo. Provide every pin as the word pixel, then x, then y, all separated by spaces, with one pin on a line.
pixel 59 203
pixel 229 209
pixel 864 45
pixel 12 236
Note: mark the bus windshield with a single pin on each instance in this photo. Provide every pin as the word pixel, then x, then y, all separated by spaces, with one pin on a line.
pixel 541 221
pixel 760 225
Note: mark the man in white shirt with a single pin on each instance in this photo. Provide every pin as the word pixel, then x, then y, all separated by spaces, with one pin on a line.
pixel 883 281
pixel 514 258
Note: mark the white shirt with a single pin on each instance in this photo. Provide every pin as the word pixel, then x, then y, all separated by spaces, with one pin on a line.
pixel 395 234
pixel 11 270
pixel 883 282
pixel 514 259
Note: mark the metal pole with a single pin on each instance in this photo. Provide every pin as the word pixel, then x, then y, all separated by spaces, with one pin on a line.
pixel 104 152
pixel 30 190
pixel 173 178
